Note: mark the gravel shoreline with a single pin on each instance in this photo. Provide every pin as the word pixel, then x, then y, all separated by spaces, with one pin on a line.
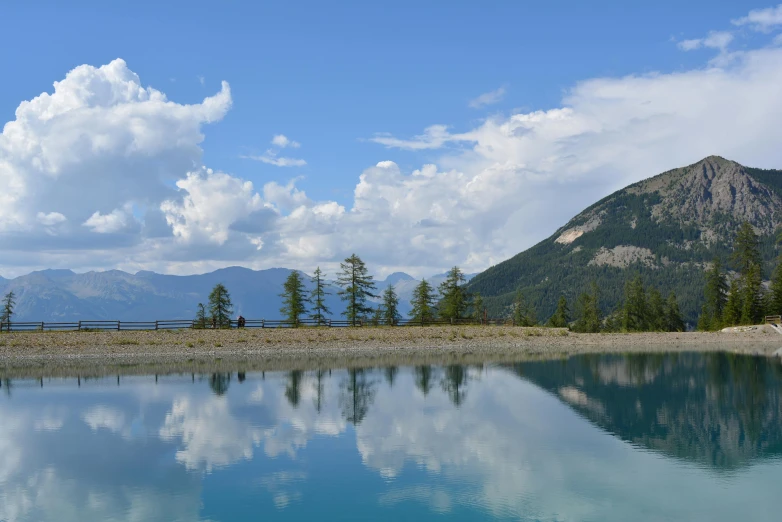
pixel 34 354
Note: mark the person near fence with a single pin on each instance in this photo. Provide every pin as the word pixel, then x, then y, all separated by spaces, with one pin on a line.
pixel 240 322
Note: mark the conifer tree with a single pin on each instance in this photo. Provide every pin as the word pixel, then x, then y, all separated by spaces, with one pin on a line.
pixel 390 306
pixel 590 318
pixel 318 298
pixel 357 286
pixel 673 316
pixel 752 299
pixel 656 316
pixel 634 314
pixel 746 250
pixel 294 300
pixel 453 296
pixel 523 311
pixel 731 315
pixel 561 317
pixel 9 302
pixel 775 296
pixel 200 319
pixel 716 295
pixel 477 307
pixel 377 316
pixel 220 306
pixel 423 302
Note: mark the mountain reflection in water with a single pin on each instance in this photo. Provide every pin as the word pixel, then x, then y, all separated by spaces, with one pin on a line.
pixel 608 437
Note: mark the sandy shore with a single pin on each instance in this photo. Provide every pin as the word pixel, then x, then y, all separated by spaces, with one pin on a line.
pixel 92 353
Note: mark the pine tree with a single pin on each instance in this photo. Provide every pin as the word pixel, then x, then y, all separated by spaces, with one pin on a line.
pixel 294 301
pixel 561 317
pixel 716 295
pixel 477 308
pixel 357 286
pixel 656 319
pixel 200 319
pixel 635 313
pixel 775 296
pixel 453 296
pixel 390 306
pixel 590 318
pixel 673 316
pixel 523 311
pixel 746 250
pixel 752 298
pixel 423 302
pixel 9 302
pixel 220 306
pixel 731 315
pixel 318 298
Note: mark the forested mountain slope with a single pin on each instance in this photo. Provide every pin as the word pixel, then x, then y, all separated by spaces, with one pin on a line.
pixel 666 228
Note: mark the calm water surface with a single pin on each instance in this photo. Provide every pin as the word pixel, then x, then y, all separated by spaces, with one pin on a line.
pixel 596 438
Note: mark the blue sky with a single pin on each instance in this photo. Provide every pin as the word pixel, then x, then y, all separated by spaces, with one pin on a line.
pixel 331 77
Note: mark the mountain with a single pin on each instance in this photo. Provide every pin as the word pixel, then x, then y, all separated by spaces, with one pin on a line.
pixel 667 228
pixel 62 295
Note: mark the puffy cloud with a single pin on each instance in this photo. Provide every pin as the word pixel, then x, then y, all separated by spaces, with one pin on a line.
pixel 211 202
pixel 105 172
pixel 488 98
pixel 282 141
pixel 715 40
pixel 762 19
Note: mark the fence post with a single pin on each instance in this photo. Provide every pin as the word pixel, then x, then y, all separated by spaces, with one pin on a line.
pixel 42 326
pixel 329 323
pixel 263 323
pixel 118 323
pixel 78 328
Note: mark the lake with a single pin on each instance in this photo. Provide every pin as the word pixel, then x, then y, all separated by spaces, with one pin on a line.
pixel 694 437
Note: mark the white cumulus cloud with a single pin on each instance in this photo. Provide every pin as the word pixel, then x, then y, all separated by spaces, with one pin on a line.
pixel 762 19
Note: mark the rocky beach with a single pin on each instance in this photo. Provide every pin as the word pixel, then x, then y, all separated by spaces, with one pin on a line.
pixel 33 354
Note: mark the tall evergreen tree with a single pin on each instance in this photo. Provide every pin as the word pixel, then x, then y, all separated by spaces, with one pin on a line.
pixel 561 317
pixel 752 299
pixel 220 306
pixel 357 286
pixel 200 318
pixel 477 307
pixel 746 249
pixel 453 296
pixel 655 310
pixel 731 315
pixel 523 311
pixel 590 317
pixel 294 300
pixel 423 302
pixel 715 295
pixel 390 306
pixel 673 316
pixel 9 302
pixel 635 313
pixel 775 295
pixel 318 298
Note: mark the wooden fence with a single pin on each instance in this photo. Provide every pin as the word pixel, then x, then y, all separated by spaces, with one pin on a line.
pixel 180 324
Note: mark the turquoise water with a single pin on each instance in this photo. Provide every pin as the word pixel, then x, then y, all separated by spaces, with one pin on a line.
pixel 597 438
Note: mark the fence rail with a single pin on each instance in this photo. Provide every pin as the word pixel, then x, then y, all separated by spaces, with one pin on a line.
pixel 182 324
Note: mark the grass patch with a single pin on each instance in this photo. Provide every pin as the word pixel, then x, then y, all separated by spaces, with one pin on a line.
pixel 218 345
pixel 189 345
pixel 125 342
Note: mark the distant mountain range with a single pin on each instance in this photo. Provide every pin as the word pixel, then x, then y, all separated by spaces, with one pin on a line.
pixel 62 295
pixel 667 228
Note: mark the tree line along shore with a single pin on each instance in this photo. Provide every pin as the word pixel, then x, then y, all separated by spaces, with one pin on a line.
pixel 731 298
